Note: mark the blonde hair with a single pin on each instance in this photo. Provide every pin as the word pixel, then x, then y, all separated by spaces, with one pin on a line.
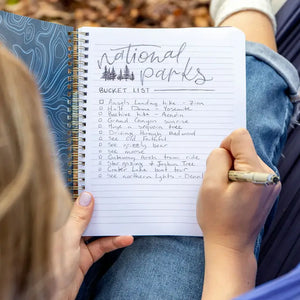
pixel 30 187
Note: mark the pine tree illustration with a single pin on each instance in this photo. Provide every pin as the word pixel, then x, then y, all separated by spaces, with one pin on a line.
pixel 108 74
pixel 120 76
pixel 104 74
pixel 113 74
pixel 132 76
pixel 126 73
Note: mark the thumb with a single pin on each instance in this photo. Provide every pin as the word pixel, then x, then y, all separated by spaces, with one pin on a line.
pixel 240 145
pixel 81 213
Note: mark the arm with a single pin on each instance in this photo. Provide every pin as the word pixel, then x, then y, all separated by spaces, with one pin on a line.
pixel 231 215
pixel 255 18
pixel 228 272
pixel 262 32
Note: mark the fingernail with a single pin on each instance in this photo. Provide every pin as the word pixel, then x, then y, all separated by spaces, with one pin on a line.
pixel 85 199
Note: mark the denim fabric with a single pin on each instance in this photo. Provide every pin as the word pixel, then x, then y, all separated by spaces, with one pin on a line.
pixel 156 268
pixel 173 267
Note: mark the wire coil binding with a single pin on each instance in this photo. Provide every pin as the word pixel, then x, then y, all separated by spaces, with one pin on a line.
pixel 77 93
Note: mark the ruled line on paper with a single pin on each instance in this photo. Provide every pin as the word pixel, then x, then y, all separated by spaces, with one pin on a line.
pixel 183 90
pixel 145 222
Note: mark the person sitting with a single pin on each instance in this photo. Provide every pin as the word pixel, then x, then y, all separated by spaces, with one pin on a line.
pixel 137 272
pixel 43 255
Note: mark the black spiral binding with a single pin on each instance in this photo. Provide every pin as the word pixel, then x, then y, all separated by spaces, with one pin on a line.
pixel 78 55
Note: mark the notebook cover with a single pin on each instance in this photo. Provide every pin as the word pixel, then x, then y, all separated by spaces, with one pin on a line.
pixel 43 46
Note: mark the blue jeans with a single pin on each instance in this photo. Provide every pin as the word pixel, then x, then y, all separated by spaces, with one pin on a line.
pixel 173 267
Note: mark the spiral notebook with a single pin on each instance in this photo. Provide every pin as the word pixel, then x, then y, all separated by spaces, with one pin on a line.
pixel 146 108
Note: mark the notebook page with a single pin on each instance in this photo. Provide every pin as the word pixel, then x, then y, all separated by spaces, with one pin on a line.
pixel 158 101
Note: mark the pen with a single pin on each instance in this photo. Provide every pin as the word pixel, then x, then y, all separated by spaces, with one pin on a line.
pixel 254 177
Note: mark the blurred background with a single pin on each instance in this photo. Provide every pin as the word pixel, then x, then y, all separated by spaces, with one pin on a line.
pixel 115 13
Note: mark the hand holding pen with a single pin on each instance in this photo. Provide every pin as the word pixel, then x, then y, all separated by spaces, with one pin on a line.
pixel 229 212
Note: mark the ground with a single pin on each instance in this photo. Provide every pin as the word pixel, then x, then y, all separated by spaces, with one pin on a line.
pixel 115 13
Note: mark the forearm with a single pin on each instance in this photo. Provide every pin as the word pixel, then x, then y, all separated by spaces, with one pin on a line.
pixel 228 272
pixel 255 18
pixel 262 32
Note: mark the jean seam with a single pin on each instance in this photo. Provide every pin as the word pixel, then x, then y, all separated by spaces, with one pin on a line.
pixel 282 135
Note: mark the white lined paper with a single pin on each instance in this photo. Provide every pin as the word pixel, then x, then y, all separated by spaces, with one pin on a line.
pixel 150 127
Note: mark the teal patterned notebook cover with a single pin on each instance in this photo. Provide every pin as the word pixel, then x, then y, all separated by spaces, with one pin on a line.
pixel 43 46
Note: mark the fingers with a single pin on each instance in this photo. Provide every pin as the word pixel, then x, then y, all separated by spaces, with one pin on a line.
pixel 240 145
pixel 106 244
pixel 81 214
pixel 217 166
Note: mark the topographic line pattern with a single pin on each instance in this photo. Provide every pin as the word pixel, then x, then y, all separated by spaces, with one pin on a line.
pixel 43 47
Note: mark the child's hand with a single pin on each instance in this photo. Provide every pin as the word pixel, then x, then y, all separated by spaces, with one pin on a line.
pixel 231 214
pixel 72 257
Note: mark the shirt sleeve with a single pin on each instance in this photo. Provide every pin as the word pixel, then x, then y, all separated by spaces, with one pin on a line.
pixel 285 287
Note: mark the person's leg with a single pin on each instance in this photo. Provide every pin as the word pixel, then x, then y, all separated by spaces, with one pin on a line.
pixel 166 268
